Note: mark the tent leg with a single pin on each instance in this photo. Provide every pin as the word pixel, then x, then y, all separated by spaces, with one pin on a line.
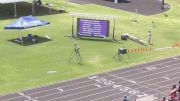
pixel 15 10
pixel 21 38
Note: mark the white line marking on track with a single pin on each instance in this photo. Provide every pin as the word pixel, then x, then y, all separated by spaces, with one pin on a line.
pixel 60 89
pixel 102 87
pixel 99 86
pixel 90 80
pixel 140 87
pixel 166 77
pixel 83 77
pixel 28 97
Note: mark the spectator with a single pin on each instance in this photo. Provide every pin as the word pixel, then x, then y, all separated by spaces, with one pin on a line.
pixel 125 98
pixel 173 93
pixel 149 34
pixel 178 91
pixel 164 99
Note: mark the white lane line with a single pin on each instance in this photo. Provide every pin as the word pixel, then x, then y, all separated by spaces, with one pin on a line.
pixel 64 91
pixel 163 76
pixel 135 83
pixel 131 94
pixel 61 90
pixel 166 77
pixel 95 77
pixel 153 65
pixel 168 70
pixel 109 90
pixel 104 76
pixel 28 97
pixel 157 72
pixel 87 90
pixel 135 89
pixel 97 85
pixel 48 90
pixel 92 89
pixel 176 58
pixel 89 80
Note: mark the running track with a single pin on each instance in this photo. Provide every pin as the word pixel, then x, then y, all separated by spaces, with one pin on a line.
pixel 153 78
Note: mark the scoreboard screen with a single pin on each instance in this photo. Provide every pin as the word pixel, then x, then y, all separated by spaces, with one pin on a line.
pixel 92 28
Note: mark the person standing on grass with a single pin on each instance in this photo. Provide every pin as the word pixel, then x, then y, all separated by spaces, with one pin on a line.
pixel 149 35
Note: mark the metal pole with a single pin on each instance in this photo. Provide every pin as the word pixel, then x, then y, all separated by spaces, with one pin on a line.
pixel 72 34
pixel 33 11
pixel 15 10
pixel 116 1
pixel 114 27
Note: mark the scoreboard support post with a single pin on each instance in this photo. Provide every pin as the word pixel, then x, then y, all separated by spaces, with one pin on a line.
pixel 72 30
pixel 114 29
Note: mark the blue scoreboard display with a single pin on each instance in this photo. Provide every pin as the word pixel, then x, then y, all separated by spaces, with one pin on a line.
pixel 92 28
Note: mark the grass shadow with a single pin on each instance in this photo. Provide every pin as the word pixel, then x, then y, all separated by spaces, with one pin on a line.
pixel 23 9
pixel 27 42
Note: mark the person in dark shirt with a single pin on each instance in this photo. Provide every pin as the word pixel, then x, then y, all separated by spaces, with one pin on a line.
pixel 125 98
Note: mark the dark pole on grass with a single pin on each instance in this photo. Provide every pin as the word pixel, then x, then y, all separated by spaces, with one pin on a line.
pixel 72 33
pixel 114 27
pixel 162 5
pixel 33 11
pixel 15 10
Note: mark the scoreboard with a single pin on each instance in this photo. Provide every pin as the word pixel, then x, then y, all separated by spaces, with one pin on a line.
pixel 92 28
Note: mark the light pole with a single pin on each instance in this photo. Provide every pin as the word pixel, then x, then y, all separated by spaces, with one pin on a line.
pixel 116 1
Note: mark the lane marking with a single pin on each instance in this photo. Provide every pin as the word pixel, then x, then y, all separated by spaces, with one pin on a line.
pixel 93 77
pixel 151 68
pixel 176 58
pixel 102 87
pixel 60 89
pixel 118 73
pixel 135 89
pixel 89 80
pixel 28 97
pixel 99 86
pixel 166 77
pixel 132 95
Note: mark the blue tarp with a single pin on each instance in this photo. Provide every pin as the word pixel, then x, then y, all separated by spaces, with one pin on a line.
pixel 25 22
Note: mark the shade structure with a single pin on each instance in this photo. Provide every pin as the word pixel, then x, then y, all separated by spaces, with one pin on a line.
pixel 25 22
pixel 11 1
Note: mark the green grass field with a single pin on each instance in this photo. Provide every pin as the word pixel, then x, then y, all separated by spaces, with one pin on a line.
pixel 23 67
